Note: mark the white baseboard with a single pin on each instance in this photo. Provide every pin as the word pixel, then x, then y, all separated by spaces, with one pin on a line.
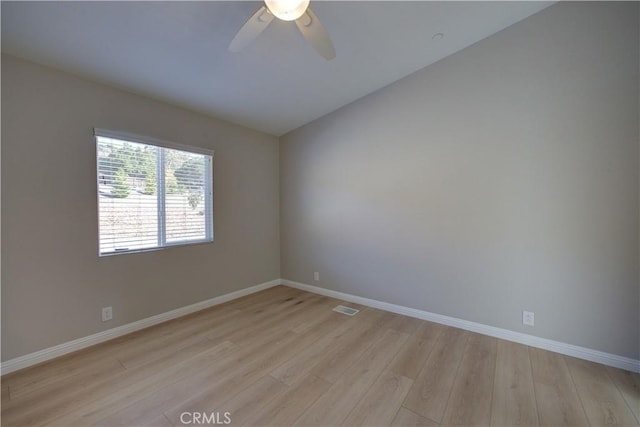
pixel 505 334
pixel 530 340
pixel 80 343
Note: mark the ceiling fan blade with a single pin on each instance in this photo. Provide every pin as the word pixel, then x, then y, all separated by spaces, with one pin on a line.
pixel 251 29
pixel 312 30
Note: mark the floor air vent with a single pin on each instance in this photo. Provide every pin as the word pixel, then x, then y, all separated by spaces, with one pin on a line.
pixel 346 310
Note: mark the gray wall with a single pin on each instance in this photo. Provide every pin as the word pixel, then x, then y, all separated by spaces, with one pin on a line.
pixel 500 179
pixel 53 283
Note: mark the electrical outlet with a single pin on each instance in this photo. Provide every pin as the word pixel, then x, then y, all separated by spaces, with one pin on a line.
pixel 316 276
pixel 107 314
pixel 527 318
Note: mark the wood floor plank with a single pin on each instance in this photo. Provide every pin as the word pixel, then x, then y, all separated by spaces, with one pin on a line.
pixel 98 372
pixel 514 402
pixel 115 395
pixel 288 405
pixel 428 331
pixel 430 391
pixel 236 378
pixel 230 373
pixel 263 318
pixel 375 316
pixel 602 401
pixel 248 401
pixel 557 399
pixel 407 418
pixel 168 384
pixel 264 298
pixel 376 368
pixel 43 406
pixel 335 361
pixel 315 308
pixel 381 402
pixel 404 324
pixel 629 385
pixel 259 361
pixel 470 398
pixel 158 421
pixel 5 394
pixel 141 411
pixel 334 405
pixel 414 354
pixel 181 336
pixel 188 390
pixel 49 372
pixel 299 366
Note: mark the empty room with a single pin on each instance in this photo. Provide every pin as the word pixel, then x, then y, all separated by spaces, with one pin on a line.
pixel 320 213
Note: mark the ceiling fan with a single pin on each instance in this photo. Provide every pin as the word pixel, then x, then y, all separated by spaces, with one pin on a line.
pixel 286 10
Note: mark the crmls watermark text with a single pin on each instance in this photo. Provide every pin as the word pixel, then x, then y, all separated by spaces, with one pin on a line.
pixel 214 418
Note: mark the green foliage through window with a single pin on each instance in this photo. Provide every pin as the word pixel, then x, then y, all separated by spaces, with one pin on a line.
pixel 120 184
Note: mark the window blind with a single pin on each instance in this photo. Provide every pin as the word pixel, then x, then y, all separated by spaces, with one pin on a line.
pixel 151 196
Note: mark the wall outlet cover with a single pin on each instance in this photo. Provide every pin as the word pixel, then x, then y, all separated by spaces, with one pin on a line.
pixel 107 314
pixel 528 318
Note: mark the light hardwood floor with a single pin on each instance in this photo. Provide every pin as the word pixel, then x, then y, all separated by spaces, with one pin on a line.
pixel 282 357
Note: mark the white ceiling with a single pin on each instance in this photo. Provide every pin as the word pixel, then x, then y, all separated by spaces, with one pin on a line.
pixel 177 51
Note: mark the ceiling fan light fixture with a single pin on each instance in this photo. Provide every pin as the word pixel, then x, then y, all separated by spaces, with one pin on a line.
pixel 287 10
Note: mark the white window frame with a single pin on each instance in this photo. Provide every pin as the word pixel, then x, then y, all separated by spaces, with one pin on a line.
pixel 162 240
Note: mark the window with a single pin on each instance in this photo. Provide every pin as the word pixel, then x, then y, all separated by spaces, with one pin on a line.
pixel 151 194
